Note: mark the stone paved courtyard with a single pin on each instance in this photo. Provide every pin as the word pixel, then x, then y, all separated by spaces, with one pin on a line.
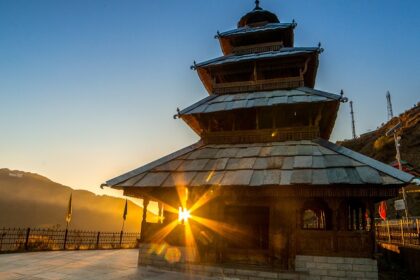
pixel 83 265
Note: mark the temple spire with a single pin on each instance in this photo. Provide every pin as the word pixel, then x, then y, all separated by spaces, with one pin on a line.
pixel 257 5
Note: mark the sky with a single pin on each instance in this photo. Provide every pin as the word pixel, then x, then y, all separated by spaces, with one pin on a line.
pixel 88 88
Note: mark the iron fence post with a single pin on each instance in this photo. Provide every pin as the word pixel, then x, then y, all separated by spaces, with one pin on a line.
pixel 19 239
pixel 389 234
pixel 28 231
pixel 97 239
pixel 65 239
pixel 402 231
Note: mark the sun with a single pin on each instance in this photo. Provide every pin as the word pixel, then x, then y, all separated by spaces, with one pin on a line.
pixel 183 215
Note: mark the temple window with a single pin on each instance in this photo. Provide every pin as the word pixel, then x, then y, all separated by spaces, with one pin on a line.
pixel 316 215
pixel 358 217
pixel 245 120
pixel 265 119
pixel 220 123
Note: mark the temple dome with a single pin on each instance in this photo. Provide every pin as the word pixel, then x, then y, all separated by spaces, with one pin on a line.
pixel 258 15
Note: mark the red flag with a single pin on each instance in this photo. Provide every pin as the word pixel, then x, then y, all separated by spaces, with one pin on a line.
pixel 382 210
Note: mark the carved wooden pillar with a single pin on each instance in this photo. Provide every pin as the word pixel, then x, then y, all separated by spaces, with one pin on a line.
pixel 189 197
pixel 218 210
pixel 160 208
pixel 143 221
pixel 335 219
pixel 371 206
pixel 293 241
pixel 294 222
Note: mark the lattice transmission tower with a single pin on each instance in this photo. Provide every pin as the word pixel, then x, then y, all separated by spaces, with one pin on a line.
pixel 353 126
pixel 389 105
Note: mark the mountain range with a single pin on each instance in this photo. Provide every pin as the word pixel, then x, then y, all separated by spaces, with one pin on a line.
pixel 31 200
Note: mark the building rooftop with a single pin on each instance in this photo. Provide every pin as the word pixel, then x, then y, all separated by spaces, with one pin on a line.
pixel 229 102
pixel 247 29
pixel 258 16
pixel 255 56
pixel 304 162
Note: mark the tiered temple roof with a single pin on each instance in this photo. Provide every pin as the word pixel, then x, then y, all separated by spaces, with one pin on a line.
pixel 304 162
pixel 263 123
pixel 263 185
pixel 283 52
pixel 257 29
pixel 229 102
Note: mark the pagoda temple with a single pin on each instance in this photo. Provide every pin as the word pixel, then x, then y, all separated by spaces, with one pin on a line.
pixel 263 187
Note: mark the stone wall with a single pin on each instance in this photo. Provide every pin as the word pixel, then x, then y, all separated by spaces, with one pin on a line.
pixel 337 267
pixel 158 257
pixel 307 267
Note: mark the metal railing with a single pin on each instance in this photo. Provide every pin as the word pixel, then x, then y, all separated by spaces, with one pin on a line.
pixel 38 239
pixel 261 135
pixel 257 48
pixel 270 84
pixel 400 232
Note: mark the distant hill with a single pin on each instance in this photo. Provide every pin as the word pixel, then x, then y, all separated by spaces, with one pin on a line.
pixel 31 200
pixel 380 147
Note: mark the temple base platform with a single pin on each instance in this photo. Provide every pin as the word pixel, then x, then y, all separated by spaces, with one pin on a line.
pixel 183 259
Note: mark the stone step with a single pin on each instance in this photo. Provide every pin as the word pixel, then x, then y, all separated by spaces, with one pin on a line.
pixel 229 273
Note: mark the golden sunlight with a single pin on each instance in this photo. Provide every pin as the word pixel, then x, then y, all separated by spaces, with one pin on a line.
pixel 183 215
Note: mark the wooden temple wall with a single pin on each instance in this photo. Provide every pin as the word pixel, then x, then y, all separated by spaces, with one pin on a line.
pixel 286 238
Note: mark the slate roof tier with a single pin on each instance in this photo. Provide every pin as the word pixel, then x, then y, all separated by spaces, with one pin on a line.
pixel 284 52
pixel 227 102
pixel 316 162
pixel 232 73
pixel 257 29
pixel 314 104
pixel 252 39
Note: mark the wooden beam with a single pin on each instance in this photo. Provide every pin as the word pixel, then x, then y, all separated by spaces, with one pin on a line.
pixel 143 221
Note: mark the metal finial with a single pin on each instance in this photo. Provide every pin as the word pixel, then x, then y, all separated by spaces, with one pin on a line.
pixel 257 5
pixel 177 115
pixel 320 50
pixel 342 98
pixel 194 66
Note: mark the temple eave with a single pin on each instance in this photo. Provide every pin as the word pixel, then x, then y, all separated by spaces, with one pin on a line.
pixel 301 163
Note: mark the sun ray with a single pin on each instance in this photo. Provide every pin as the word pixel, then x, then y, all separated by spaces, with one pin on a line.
pixel 168 207
pixel 182 195
pixel 209 195
pixel 222 229
pixel 191 245
pixel 160 235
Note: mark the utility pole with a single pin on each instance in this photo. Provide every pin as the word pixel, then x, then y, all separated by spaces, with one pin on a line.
pixel 389 105
pixel 394 131
pixel 352 120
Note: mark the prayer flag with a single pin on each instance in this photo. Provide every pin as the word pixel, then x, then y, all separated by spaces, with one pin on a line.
pixel 125 210
pixel 382 210
pixel 69 210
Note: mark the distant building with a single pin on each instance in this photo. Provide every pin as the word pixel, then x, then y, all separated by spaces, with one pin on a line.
pixel 264 186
